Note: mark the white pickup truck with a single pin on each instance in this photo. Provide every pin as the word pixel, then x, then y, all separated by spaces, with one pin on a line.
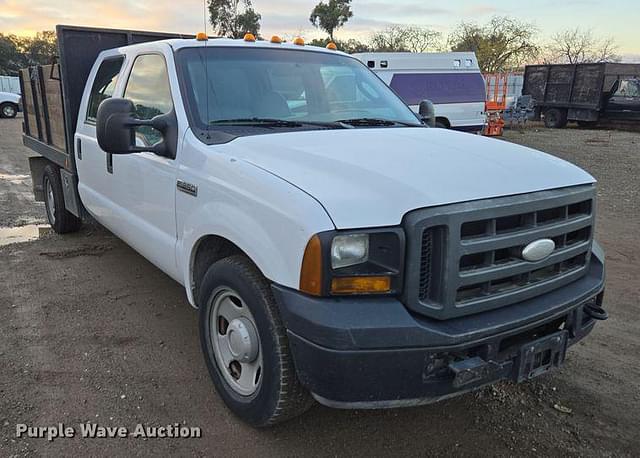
pixel 336 247
pixel 9 104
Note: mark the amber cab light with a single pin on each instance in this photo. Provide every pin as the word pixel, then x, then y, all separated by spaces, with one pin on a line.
pixel 298 41
pixel 332 46
pixel 361 285
pixel 311 271
pixel 201 36
pixel 276 39
pixel 249 37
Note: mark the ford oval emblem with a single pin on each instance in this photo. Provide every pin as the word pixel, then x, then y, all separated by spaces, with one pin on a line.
pixel 538 250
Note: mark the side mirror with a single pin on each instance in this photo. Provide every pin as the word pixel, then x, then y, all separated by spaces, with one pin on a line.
pixel 116 124
pixel 428 113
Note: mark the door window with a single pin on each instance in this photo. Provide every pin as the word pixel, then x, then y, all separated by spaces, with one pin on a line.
pixel 149 90
pixel 628 88
pixel 103 85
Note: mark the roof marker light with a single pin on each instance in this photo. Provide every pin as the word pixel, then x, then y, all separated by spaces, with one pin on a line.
pixel 332 46
pixel 298 41
pixel 249 37
pixel 276 39
pixel 201 36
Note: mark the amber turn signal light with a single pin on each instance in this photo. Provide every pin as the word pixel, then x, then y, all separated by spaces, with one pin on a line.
pixel 361 285
pixel 311 272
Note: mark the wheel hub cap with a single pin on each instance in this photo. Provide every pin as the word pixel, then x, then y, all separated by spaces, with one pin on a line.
pixel 235 341
pixel 242 340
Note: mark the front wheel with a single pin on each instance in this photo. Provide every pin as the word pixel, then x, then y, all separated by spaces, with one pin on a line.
pixel 8 110
pixel 245 345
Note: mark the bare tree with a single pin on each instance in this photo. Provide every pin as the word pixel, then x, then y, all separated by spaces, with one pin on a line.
pixel 502 44
pixel 400 38
pixel 576 46
pixel 422 39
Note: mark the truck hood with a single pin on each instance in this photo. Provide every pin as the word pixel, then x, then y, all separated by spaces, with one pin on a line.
pixel 372 177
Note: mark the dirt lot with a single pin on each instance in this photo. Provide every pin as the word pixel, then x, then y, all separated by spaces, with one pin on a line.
pixel 90 331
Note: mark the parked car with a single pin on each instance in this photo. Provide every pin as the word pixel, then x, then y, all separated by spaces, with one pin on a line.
pixel 452 81
pixel 9 104
pixel 585 93
pixel 337 248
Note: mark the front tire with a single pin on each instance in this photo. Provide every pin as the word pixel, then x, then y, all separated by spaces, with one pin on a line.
pixel 8 110
pixel 245 345
pixel 61 220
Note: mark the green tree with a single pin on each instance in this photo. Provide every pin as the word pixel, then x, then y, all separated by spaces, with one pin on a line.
pixel 234 18
pixel 20 52
pixel 10 58
pixel 501 45
pixel 41 49
pixel 331 16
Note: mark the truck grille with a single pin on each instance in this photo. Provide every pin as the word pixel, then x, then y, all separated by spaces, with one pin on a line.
pixel 470 255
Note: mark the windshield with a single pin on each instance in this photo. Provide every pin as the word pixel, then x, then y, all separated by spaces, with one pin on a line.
pixel 240 86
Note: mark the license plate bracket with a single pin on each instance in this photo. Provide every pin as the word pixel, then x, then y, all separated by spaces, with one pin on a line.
pixel 542 355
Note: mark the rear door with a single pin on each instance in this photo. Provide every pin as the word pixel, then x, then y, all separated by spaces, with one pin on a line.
pixel 91 161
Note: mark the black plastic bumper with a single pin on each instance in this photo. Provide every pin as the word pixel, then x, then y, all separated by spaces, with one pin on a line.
pixel 373 352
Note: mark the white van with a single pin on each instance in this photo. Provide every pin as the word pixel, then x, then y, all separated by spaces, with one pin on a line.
pixel 452 81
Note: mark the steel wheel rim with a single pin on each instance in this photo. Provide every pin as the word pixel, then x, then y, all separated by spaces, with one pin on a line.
pixel 51 203
pixel 234 339
pixel 8 111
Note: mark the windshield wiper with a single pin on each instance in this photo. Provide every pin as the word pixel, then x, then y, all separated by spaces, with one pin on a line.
pixel 376 122
pixel 273 122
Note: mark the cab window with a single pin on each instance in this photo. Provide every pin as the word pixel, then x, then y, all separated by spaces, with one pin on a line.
pixel 149 90
pixel 628 88
pixel 103 85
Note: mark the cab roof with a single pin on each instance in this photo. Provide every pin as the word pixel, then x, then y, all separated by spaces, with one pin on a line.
pixel 181 43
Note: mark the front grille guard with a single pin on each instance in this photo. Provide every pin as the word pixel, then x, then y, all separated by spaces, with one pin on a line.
pixel 464 258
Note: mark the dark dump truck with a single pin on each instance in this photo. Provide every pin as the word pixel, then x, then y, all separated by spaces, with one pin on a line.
pixel 585 93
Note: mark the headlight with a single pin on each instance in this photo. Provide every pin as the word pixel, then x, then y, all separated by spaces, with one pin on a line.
pixel 349 250
pixel 350 262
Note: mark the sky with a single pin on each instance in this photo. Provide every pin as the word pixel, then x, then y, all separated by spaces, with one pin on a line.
pixel 619 19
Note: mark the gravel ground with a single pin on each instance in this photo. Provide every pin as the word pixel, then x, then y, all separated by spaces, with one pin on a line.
pixel 90 331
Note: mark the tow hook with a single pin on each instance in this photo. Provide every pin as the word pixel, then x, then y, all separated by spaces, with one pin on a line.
pixel 596 312
pixel 473 370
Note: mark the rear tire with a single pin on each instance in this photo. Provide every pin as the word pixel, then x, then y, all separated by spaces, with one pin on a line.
pixel 8 110
pixel 273 393
pixel 61 220
pixel 555 118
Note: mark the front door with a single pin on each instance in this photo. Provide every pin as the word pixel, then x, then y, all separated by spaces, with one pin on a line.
pixel 624 104
pixel 144 184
